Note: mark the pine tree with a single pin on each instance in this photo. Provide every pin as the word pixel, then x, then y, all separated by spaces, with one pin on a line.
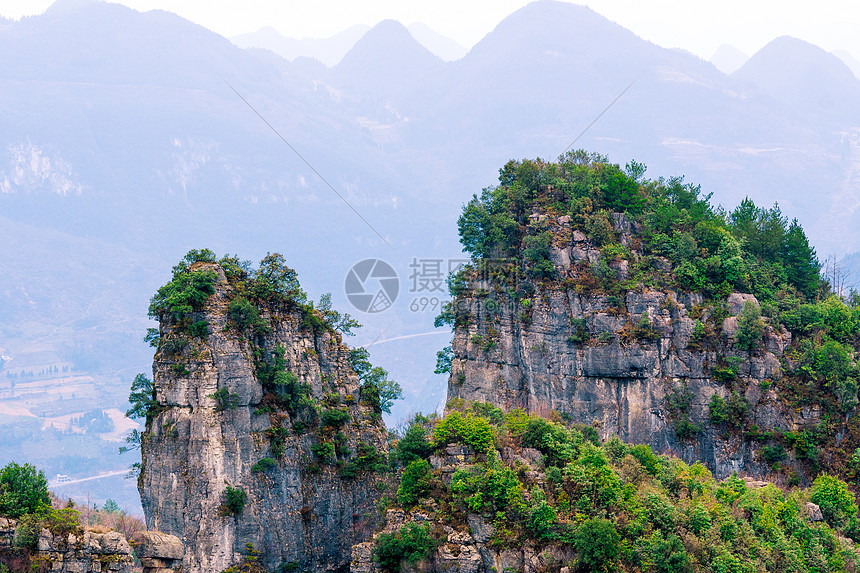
pixel 800 261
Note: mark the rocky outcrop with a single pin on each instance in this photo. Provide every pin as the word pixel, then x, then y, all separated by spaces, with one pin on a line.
pixel 464 547
pixel 73 553
pixel 615 361
pixel 158 552
pixel 7 532
pixel 217 427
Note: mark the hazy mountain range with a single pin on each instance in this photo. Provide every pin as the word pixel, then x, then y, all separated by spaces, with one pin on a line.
pixel 123 145
pixel 331 50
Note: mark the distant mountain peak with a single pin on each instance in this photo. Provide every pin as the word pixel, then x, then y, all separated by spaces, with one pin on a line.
pixel 796 45
pixel 61 7
pixel 387 31
pixel 728 59
pixel 552 25
pixel 388 50
pixel 803 75
pixel 561 12
pixel 388 40
pixel 790 55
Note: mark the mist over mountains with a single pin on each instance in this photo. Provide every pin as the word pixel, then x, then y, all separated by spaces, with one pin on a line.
pixel 331 50
pixel 123 145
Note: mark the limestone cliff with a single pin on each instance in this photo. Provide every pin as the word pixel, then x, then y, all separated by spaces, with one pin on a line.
pixel 219 427
pixel 643 364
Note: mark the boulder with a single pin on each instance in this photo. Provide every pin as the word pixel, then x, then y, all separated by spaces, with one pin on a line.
pixel 154 544
pixel 579 253
pixel 754 483
pixel 455 558
pixel 730 326
pixel 813 511
pixel 362 558
pixel 737 300
pixel 621 224
pixel 110 543
pixel 46 541
pixel 621 268
pixel 560 257
pixel 482 530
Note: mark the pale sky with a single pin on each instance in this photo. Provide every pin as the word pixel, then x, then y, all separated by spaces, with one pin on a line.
pixel 699 26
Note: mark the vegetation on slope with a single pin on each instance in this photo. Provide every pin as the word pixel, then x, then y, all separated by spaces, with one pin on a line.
pixel 611 505
pixel 683 243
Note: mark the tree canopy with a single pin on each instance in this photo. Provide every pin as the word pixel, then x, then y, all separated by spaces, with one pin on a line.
pixel 23 490
pixel 750 249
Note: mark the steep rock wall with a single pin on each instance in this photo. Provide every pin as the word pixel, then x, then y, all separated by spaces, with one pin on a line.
pixel 571 349
pixel 299 512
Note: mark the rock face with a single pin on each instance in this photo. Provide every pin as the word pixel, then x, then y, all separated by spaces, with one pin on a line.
pixel 215 421
pixel 87 551
pixel 616 362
